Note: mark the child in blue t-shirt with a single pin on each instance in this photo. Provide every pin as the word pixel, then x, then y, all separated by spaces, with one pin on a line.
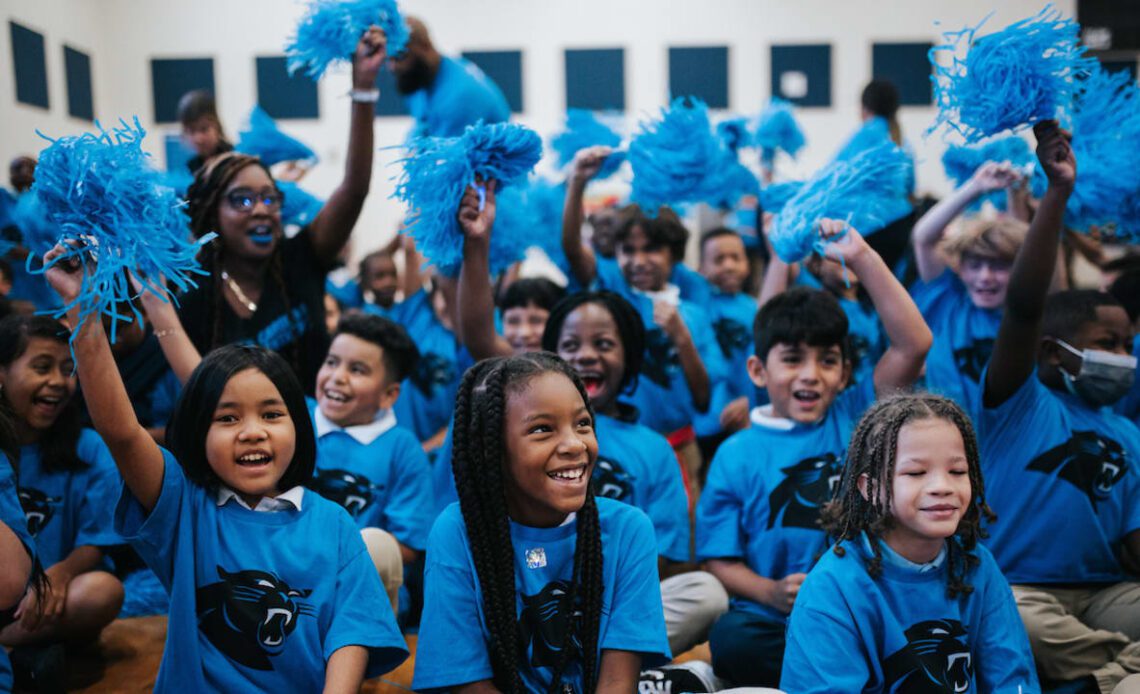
pixel 532 583
pixel 271 587
pixel 906 599
pixel 21 574
pixel 1061 467
pixel 377 471
pixel 963 278
pixel 757 523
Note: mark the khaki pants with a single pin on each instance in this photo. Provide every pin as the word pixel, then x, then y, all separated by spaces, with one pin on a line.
pixel 692 602
pixel 1078 632
pixel 384 551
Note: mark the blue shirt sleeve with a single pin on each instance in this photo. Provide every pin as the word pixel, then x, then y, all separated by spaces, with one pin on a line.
pixel 821 654
pixel 408 511
pixel 720 510
pixel 637 620
pixel 668 505
pixel 155 535
pixel 1005 661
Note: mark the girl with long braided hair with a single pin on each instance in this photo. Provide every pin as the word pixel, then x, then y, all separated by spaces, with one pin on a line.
pixel 532 583
pixel 264 288
pixel 907 595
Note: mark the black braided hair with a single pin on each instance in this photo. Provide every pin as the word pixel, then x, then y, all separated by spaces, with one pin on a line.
pixel 479 462
pixel 872 453
pixel 630 329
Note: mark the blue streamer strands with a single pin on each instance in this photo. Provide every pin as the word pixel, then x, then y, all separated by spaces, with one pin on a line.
pixel 300 206
pixel 962 161
pixel 331 29
pixel 730 182
pixel 869 191
pixel 438 170
pixel 102 197
pixel 734 134
pixel 774 196
pixel 263 139
pixel 583 129
pixel 675 159
pixel 1010 79
pixel 38 232
pixel 777 129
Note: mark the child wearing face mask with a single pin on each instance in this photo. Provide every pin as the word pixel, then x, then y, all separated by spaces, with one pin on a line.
pixel 1060 466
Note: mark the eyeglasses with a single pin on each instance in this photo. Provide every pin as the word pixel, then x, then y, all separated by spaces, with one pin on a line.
pixel 244 200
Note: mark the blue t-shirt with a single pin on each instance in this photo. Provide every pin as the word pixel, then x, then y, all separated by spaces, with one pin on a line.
pixel 765 487
pixel 900 633
pixel 1062 478
pixel 453 632
pixel 66 509
pixel 382 481
pixel 1129 405
pixel 258 600
pixel 732 316
pixel 693 285
pixel 963 339
pixel 460 95
pixel 12 516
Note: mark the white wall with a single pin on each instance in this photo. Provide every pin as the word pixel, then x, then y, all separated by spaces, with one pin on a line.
pixel 123 35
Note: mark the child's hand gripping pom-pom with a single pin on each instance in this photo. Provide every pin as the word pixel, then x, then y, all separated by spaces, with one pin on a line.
pixel 437 172
pixel 962 162
pixel 675 159
pixel 265 140
pixel 869 191
pixel 777 129
pixel 331 29
pixel 583 130
pixel 1010 79
pixel 111 212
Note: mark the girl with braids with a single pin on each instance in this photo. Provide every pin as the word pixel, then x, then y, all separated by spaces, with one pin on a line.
pixel 532 583
pixel 248 299
pixel 907 599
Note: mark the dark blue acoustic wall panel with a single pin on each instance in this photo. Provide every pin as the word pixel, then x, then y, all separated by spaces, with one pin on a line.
pixel 77 65
pixel 283 96
pixel 30 64
pixel 391 103
pixel 701 72
pixel 908 67
pixel 505 69
pixel 173 77
pixel 595 79
pixel 802 74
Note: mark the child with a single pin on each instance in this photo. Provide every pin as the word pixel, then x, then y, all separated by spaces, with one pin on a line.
pixel 374 469
pixel 201 128
pixel 533 584
pixel 758 519
pixel 65 477
pixel 906 600
pixel 963 284
pixel 600 335
pixel 1061 466
pixel 271 587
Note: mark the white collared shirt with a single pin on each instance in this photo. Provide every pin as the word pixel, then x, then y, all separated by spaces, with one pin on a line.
pixel 763 416
pixel 363 433
pixel 285 501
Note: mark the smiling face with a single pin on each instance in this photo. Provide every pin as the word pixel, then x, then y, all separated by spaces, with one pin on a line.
pixel 38 385
pixel 986 279
pixel 550 450
pixel 724 262
pixel 802 380
pixel 523 326
pixel 203 135
pixel 352 385
pixel 591 343
pixel 251 439
pixel 249 233
pixel 645 265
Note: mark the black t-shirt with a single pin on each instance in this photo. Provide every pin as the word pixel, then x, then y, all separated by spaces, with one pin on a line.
pixel 299 335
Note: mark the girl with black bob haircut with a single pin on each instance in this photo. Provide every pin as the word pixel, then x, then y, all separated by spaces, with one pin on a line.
pixel 532 583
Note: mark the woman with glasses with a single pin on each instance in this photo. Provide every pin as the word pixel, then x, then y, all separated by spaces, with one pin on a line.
pixel 263 288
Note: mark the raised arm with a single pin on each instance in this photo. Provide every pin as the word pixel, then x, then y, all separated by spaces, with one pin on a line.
pixel 476 297
pixel 176 346
pixel 137 456
pixel 777 274
pixel 587 163
pixel 333 224
pixel 413 267
pixel 1015 350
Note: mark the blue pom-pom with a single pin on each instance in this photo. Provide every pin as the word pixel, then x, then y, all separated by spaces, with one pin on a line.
pixel 777 129
pixel 730 182
pixel 583 129
pixel 774 196
pixel 868 191
pixel 38 232
pixel 675 159
pixel 331 30
pixel 1010 79
pixel 263 139
pixel 734 134
pixel 109 205
pixel 874 132
pixel 300 206
pixel 438 170
pixel 961 161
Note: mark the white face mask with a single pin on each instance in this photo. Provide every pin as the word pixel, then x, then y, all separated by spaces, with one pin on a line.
pixel 1104 377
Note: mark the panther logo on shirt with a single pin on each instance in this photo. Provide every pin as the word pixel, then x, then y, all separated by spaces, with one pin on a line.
pixel 543 624
pixel 351 490
pixel 610 480
pixel 661 358
pixel 1087 461
pixel 731 336
pixel 249 614
pixel 935 659
pixel 431 372
pixel 971 360
pixel 807 485
pixel 38 508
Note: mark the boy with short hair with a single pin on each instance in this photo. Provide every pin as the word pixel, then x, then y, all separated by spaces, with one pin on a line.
pixel 758 518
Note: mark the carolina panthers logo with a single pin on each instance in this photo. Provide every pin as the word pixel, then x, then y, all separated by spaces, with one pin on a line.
pixel 249 614
pixel 934 660
pixel 972 359
pixel 349 489
pixel 807 485
pixel 731 336
pixel 543 624
pixel 610 480
pixel 1090 463
pixel 661 358
pixel 432 371
pixel 38 508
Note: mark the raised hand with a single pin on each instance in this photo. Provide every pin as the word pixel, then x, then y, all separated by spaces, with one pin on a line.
pixel 844 243
pixel 65 275
pixel 587 162
pixel 1055 153
pixel 369 56
pixel 476 223
pixel 995 175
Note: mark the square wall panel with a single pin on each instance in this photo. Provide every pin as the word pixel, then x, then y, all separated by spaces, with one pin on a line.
pixel 283 96
pixel 701 72
pixel 173 77
pixel 802 74
pixel 390 103
pixel 595 79
pixel 29 62
pixel 77 66
pixel 907 65
pixel 504 68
